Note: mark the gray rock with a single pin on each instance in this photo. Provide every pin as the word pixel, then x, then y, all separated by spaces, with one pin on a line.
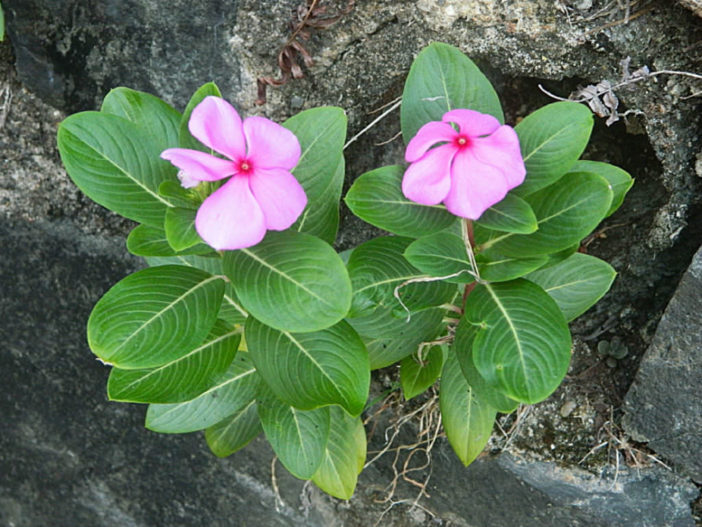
pixel 663 406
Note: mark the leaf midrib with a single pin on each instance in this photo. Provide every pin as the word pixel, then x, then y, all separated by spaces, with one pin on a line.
pixel 514 332
pixel 162 311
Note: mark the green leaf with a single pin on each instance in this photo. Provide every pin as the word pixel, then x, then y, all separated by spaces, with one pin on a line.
pixel 321 219
pixel 576 283
pixel 308 370
pixel 498 268
pixel 376 197
pixel 231 309
pixel 233 392
pixel 344 455
pixel 467 419
pixel 442 78
pixel 147 241
pixel 378 268
pixel 441 254
pixel 291 281
pixel 180 379
pixel 566 212
pixel 619 180
pixel 522 343
pixel 552 139
pixel 320 170
pixel 512 214
pixel 154 316
pixel 185 138
pixel 416 375
pixel 157 119
pixel 389 339
pixel 115 164
pixel 554 258
pixel 180 230
pixel 234 432
pixel 463 349
pixel 298 437
pixel 178 196
pixel 2 24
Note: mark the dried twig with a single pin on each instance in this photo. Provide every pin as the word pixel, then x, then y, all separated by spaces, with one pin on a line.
pixel 307 17
pixel 601 97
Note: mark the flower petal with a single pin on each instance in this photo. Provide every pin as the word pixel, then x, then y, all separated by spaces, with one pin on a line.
pixel 475 186
pixel 270 145
pixel 198 166
pixel 280 196
pixel 501 150
pixel 230 218
pixel 427 136
pixel 215 123
pixel 427 181
pixel 472 123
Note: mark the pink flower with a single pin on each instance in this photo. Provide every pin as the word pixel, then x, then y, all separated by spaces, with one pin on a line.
pixel 471 170
pixel 261 193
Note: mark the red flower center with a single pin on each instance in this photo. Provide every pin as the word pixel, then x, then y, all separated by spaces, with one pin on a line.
pixel 462 141
pixel 245 166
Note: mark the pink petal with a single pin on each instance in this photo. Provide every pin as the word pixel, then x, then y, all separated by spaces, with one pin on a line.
pixel 427 181
pixel 472 123
pixel 427 136
pixel 198 166
pixel 501 150
pixel 475 186
pixel 280 196
pixel 215 123
pixel 270 145
pixel 230 218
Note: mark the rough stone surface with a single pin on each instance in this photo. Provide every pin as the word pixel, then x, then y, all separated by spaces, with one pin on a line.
pixel 695 5
pixel 67 457
pixel 663 407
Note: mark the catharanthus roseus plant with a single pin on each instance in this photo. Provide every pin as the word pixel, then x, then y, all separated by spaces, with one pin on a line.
pixel 247 319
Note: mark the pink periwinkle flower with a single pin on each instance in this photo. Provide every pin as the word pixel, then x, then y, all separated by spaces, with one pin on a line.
pixel 471 169
pixel 261 194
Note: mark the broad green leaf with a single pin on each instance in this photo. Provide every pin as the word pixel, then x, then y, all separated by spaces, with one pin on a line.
pixel 416 375
pixel 180 379
pixel 234 391
pixel 441 254
pixel 291 281
pixel 376 197
pixel 498 268
pixel 179 196
pixel 298 437
pixel 442 78
pixel 320 170
pixel 157 119
pixel 344 455
pixel 378 270
pixel 2 24
pixel 552 139
pixel 234 432
pixel 154 316
pixel 115 164
pixel 309 370
pixel 321 218
pixel 522 343
pixel 512 214
pixel 180 230
pixel 463 349
pixel 554 258
pixel 566 212
pixel 147 241
pixel 619 180
pixel 185 138
pixel 576 283
pixel 467 419
pixel 231 309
